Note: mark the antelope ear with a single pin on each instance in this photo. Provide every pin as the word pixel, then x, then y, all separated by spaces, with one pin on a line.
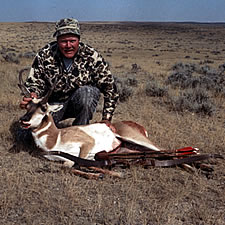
pixel 55 107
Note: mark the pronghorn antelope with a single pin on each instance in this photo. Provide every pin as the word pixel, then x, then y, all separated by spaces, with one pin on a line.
pixel 87 141
pixel 81 141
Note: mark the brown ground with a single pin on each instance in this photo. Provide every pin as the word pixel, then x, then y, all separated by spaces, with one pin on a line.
pixel 35 191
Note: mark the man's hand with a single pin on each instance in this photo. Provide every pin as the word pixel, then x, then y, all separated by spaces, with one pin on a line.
pixel 108 123
pixel 26 100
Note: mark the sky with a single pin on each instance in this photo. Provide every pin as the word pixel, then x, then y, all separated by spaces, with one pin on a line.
pixel 113 10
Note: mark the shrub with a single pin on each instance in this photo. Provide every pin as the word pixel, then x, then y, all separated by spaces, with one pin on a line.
pixel 193 76
pixel 131 81
pixel 222 67
pixel 194 100
pixel 29 55
pixel 182 67
pixel 123 89
pixel 125 93
pixel 11 57
pixel 153 89
pixel 135 68
pixel 177 79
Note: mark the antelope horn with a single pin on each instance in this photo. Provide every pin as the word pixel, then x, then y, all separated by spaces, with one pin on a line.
pixel 52 86
pixel 21 85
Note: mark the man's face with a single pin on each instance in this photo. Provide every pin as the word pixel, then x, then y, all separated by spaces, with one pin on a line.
pixel 68 45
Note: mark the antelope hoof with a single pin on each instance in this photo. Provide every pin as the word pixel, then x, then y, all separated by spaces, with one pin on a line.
pixel 117 174
pixel 68 164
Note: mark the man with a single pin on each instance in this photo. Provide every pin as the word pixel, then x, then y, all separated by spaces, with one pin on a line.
pixel 80 72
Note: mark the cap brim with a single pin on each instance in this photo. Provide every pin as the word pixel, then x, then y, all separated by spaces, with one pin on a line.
pixel 66 31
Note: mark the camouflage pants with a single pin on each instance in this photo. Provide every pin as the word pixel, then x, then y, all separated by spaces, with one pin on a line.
pixel 81 105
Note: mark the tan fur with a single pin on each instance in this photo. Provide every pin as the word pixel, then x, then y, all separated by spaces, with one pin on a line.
pixel 52 137
pixel 135 126
pixel 127 130
pixel 74 134
pixel 69 134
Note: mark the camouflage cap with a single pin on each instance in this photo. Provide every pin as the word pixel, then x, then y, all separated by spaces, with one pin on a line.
pixel 67 26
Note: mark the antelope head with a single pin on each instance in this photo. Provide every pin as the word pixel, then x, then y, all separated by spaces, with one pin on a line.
pixel 37 108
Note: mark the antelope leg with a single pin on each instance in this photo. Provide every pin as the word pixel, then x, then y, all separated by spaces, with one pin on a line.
pixel 106 171
pixel 87 175
pixel 187 167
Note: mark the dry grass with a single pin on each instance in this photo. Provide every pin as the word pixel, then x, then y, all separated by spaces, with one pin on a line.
pixel 35 191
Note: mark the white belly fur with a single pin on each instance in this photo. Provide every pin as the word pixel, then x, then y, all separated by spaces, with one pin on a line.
pixel 105 139
pixel 72 148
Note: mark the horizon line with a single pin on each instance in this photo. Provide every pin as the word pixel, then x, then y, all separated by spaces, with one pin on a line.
pixel 122 21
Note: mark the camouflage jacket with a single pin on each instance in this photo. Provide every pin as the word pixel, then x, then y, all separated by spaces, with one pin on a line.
pixel 88 68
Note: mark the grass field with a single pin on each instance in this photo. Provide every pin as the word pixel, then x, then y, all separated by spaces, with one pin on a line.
pixel 172 79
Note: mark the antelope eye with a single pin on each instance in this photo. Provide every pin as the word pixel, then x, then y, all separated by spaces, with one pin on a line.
pixel 43 108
